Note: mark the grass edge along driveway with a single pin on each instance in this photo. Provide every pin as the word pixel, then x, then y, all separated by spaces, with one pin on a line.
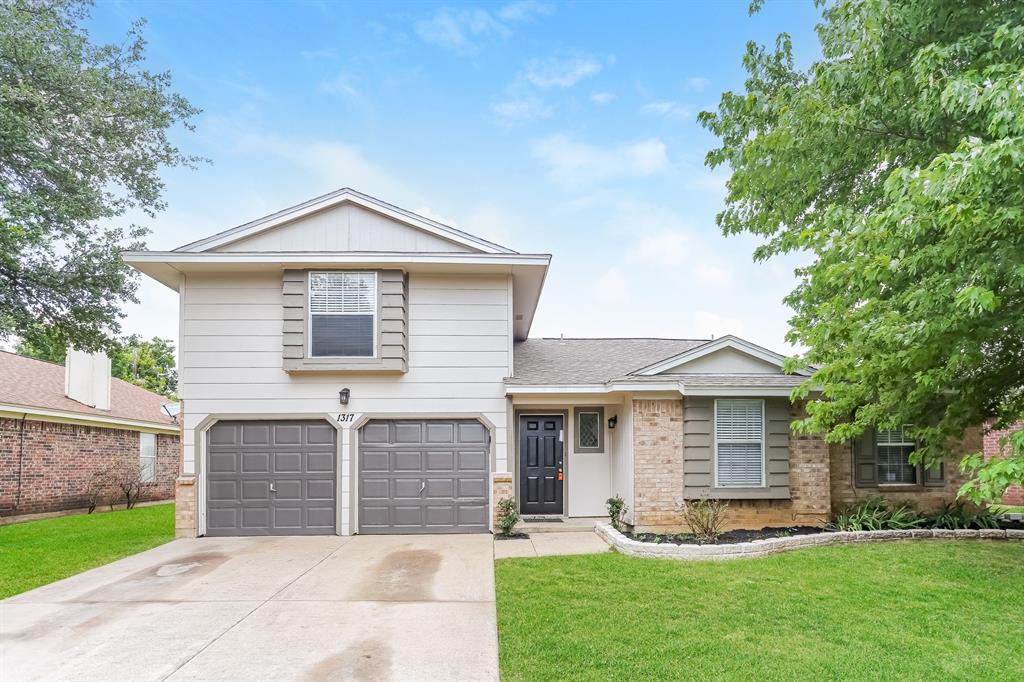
pixel 36 553
pixel 917 610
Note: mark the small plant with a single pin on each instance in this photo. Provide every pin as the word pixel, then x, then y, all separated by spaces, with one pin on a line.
pixel 956 515
pixel 705 518
pixel 616 510
pixel 875 513
pixel 508 515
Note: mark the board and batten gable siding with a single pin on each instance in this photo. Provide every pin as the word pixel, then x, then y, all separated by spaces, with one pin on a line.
pixel 459 352
pixel 699 451
pixel 392 353
pixel 345 228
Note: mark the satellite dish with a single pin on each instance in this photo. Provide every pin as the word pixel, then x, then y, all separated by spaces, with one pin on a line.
pixel 171 409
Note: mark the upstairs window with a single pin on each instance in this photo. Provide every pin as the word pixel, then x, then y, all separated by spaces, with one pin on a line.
pixel 342 314
pixel 147 457
pixel 739 443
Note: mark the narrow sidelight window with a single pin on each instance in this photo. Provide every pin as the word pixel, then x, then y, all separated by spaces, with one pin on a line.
pixel 739 443
pixel 147 457
pixel 343 314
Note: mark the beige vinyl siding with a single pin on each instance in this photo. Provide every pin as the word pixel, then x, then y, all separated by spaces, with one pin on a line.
pixel 458 357
pixel 345 228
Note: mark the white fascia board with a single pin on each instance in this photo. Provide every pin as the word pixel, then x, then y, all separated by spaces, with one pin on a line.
pixel 45 414
pixel 334 199
pixel 728 341
pixel 737 391
pixel 290 258
pixel 522 389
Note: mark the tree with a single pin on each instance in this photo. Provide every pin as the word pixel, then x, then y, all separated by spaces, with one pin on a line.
pixel 896 163
pixel 83 134
pixel 149 364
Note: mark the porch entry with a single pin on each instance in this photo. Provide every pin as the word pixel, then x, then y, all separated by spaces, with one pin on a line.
pixel 541 463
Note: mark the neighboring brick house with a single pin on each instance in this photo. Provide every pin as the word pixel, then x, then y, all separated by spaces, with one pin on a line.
pixel 51 443
pixel 1014 494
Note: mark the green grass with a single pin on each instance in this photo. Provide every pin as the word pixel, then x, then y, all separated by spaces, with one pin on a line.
pixel 1007 509
pixel 39 552
pixel 924 611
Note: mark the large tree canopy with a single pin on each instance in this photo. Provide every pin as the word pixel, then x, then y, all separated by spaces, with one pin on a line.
pixel 83 134
pixel 896 163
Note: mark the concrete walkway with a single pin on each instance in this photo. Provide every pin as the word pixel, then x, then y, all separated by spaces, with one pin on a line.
pixel 314 608
pixel 550 544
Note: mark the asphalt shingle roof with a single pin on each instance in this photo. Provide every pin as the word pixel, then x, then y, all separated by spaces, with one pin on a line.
pixel 590 361
pixel 35 383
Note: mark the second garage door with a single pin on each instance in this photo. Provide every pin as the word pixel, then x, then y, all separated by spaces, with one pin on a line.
pixel 423 476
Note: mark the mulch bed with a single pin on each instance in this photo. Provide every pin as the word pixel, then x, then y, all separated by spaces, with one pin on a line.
pixel 513 536
pixel 727 537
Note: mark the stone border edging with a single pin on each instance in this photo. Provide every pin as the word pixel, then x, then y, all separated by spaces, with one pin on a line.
pixel 759 548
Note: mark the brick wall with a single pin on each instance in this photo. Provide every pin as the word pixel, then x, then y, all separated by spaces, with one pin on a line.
pixel 924 498
pixel 55 462
pixel 657 462
pixel 658 471
pixel 501 488
pixel 1015 494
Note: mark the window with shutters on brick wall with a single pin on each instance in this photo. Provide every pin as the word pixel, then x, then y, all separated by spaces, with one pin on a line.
pixel 739 443
pixel 882 457
pixel 342 314
pixel 147 457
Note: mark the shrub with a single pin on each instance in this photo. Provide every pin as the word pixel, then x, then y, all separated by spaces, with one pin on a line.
pixel 508 515
pixel 705 517
pixel 616 510
pixel 875 513
pixel 956 516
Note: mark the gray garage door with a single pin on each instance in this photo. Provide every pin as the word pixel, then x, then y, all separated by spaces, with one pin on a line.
pixel 423 476
pixel 271 478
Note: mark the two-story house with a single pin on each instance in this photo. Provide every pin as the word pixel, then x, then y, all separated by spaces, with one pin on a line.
pixel 350 367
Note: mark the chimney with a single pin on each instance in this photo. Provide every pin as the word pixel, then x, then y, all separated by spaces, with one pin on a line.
pixel 87 378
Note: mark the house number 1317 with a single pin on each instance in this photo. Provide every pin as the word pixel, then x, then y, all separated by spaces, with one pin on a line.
pixel 346 418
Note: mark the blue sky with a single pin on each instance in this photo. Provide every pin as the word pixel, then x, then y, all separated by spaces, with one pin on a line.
pixel 567 129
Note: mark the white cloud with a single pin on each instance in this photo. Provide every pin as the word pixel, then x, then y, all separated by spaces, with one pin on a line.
pixel 601 98
pixel 339 85
pixel 670 247
pixel 611 287
pixel 671 110
pixel 697 83
pixel 573 164
pixel 521 108
pixel 563 73
pixel 459 30
pixel 428 212
pixel 715 275
pixel 707 324
pixel 493 224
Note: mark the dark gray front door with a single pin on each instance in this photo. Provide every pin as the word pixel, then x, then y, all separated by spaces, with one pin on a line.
pixel 540 464
pixel 271 478
pixel 423 476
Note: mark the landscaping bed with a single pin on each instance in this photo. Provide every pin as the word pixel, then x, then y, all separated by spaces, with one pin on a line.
pixel 728 537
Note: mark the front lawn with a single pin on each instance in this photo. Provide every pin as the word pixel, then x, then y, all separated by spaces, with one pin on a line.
pixel 923 610
pixel 39 552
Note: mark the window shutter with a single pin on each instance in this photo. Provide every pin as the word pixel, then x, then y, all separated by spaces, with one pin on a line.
pixel 934 476
pixel 865 459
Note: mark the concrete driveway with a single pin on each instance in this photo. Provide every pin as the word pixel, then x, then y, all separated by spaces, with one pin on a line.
pixel 313 608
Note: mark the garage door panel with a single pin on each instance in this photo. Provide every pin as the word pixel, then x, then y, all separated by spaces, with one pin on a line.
pixel 320 462
pixel 287 462
pixel 408 461
pixel 376 461
pixel 319 490
pixel 223 462
pixel 438 460
pixel 423 476
pixel 246 458
pixel 255 462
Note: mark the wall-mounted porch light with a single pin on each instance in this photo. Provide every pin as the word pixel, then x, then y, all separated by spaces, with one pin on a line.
pixel 613 421
pixel 343 395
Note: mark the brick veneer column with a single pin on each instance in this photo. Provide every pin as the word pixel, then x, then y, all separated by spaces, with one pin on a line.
pixel 185 525
pixel 501 489
pixel 657 462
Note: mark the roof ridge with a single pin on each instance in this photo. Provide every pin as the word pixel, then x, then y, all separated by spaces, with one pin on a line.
pixel 611 338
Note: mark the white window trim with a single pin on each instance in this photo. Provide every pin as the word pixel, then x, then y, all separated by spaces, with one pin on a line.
pixel 142 436
pixel 309 314
pixel 600 431
pixel 918 472
pixel 764 463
